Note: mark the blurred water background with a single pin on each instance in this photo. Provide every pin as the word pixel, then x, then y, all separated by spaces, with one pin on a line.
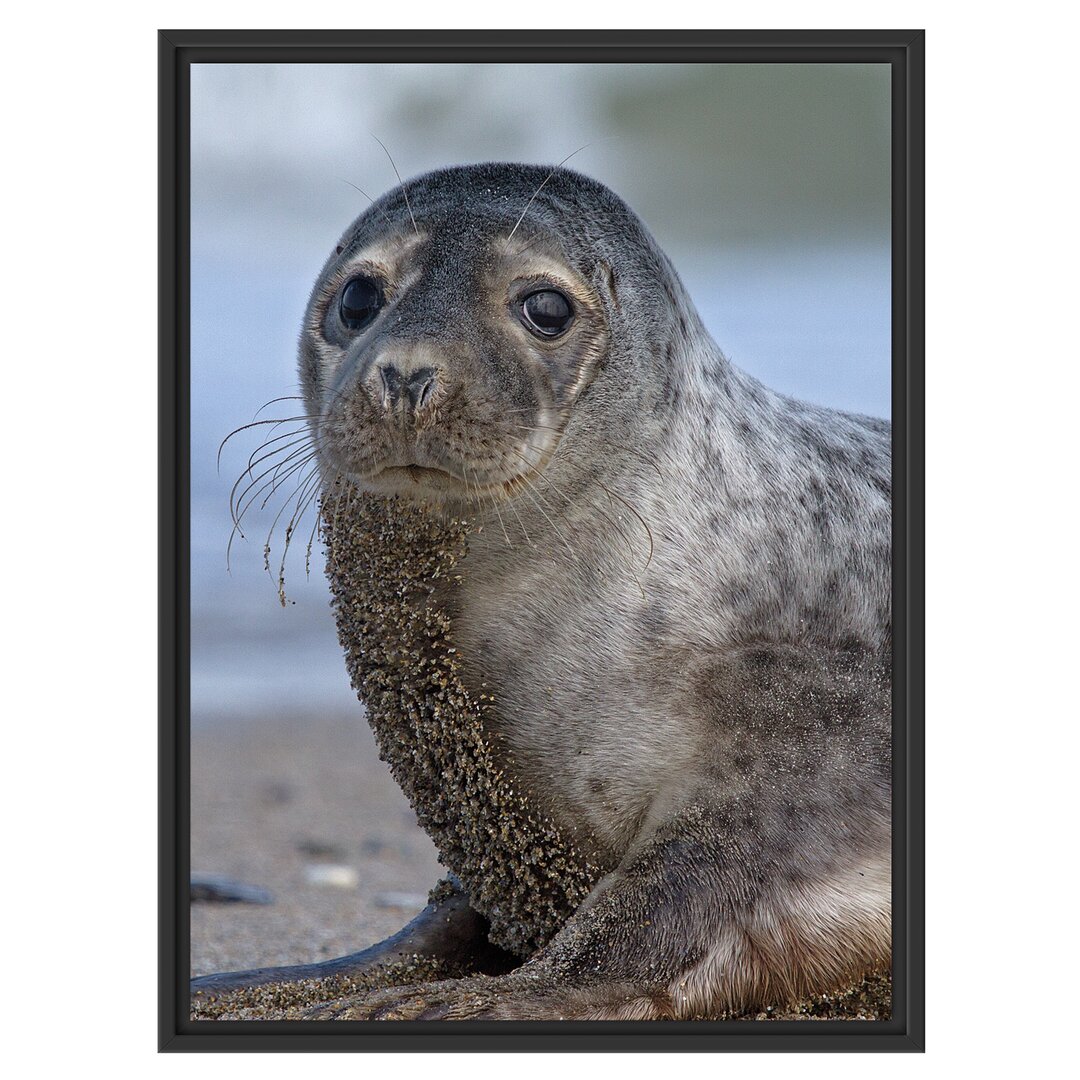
pixel 768 185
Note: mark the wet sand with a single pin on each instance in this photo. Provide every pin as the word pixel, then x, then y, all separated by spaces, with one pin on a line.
pixel 285 802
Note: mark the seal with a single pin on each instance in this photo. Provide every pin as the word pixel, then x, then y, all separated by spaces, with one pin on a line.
pixel 619 613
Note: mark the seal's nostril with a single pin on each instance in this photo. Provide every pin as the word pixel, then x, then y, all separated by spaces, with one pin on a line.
pixel 391 380
pixel 420 387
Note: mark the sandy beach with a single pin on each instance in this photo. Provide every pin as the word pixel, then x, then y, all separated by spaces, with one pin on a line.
pixel 300 806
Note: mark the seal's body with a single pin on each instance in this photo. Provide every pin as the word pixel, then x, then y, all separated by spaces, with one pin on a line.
pixel 673 602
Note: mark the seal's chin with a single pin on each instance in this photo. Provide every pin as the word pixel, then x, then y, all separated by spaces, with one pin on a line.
pixel 417 474
pixel 417 479
pixel 430 484
pixel 424 483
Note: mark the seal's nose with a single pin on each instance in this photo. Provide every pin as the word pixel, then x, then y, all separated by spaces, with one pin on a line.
pixel 417 388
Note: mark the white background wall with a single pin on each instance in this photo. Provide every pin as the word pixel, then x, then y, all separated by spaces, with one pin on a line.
pixel 79 738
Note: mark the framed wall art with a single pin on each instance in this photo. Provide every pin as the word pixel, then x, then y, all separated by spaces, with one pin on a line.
pixel 541 525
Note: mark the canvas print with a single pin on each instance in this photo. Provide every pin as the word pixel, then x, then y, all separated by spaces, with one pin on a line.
pixel 541 517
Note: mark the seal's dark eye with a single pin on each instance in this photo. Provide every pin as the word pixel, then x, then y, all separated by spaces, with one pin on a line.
pixel 547 313
pixel 360 302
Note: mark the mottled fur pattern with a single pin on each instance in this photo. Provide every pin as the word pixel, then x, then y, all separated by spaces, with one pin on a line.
pixel 678 594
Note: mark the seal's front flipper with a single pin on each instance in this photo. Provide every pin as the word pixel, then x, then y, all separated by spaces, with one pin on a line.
pixel 708 919
pixel 447 938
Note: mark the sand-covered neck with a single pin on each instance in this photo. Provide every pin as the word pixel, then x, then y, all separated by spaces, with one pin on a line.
pixel 390 563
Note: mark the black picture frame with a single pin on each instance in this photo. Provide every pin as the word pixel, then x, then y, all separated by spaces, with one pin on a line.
pixel 903 50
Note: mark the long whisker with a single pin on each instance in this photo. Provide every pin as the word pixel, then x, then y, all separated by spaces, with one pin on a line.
pixel 311 541
pixel 524 483
pixel 297 517
pixel 237 506
pixel 644 524
pixel 469 492
pixel 336 488
pixel 623 447
pixel 541 188
pixel 259 423
pixel 404 189
pixel 309 489
pixel 273 484
pixel 357 187
pixel 266 546
pixel 308 439
pixel 521 524
pixel 524 531
pixel 285 476
pixel 234 500
pixel 502 524
pixel 532 473
pixel 274 401
pixel 481 493
pixel 617 527
pixel 270 440
pixel 299 434
pixel 527 488
pixel 295 432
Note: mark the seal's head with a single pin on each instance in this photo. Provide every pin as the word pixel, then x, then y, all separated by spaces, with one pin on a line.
pixel 465 314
